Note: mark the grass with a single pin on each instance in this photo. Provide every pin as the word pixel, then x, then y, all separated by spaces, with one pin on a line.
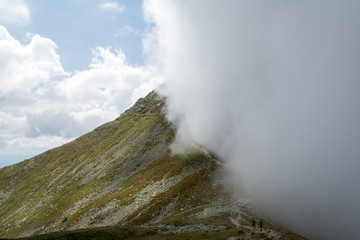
pixel 192 192
pixel 133 134
pixel 32 184
pixel 132 233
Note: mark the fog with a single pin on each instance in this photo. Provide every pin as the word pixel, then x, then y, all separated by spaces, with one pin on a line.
pixel 272 87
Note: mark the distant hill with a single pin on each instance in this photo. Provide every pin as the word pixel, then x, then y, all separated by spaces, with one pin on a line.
pixel 121 181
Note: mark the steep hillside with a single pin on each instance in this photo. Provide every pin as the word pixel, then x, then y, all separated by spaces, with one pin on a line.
pixel 123 178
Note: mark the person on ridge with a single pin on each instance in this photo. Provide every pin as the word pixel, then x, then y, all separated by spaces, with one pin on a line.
pixel 261 224
pixel 253 221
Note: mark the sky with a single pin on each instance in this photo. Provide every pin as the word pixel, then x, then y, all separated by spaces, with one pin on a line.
pixel 66 68
pixel 272 87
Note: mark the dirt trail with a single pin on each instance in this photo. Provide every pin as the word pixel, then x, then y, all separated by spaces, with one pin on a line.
pixel 268 232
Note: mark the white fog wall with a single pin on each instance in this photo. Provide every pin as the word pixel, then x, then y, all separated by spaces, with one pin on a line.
pixel 273 87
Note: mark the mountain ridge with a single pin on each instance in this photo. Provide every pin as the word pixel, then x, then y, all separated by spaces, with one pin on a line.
pixel 123 176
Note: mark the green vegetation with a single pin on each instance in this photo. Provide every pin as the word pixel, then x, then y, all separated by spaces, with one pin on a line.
pixel 131 233
pixel 137 233
pixel 43 187
pixel 121 175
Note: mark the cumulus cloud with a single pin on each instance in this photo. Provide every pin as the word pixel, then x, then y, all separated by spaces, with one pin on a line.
pixel 272 87
pixel 110 86
pixel 23 70
pixel 42 106
pixel 14 11
pixel 11 125
pixel 113 6
pixel 25 67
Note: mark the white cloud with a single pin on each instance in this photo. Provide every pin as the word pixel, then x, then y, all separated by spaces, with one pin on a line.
pixel 25 67
pixel 273 88
pixel 11 125
pixel 113 6
pixel 14 11
pixel 42 106
pixel 110 83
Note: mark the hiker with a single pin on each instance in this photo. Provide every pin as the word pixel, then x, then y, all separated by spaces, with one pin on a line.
pixel 261 224
pixel 253 221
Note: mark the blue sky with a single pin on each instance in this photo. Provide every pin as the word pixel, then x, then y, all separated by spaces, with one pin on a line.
pixel 77 26
pixel 67 67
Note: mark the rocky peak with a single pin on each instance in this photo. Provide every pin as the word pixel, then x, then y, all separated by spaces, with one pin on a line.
pixel 148 104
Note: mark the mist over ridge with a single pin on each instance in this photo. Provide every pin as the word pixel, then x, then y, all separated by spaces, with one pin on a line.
pixel 272 87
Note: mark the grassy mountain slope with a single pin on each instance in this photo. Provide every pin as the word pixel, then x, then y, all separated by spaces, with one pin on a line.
pixel 120 181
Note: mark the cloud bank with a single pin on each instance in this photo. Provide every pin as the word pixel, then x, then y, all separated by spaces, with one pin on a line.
pixel 273 88
pixel 43 106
